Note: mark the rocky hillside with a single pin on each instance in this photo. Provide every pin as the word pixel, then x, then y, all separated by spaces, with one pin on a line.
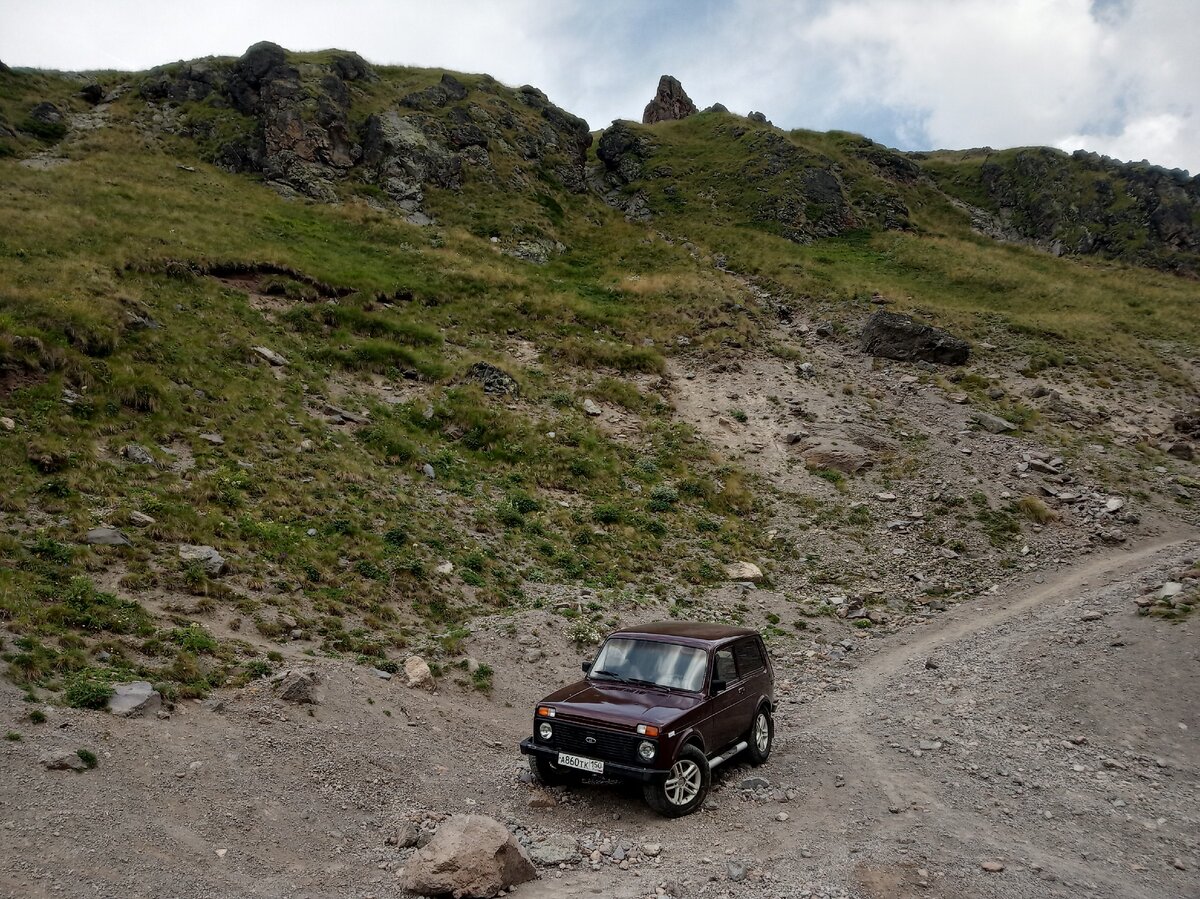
pixel 301 355
pixel 1082 204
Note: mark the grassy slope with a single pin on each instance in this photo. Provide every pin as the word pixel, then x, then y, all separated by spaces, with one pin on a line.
pixel 1112 317
pixel 87 244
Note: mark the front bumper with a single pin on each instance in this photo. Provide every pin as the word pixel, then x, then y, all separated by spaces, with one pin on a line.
pixel 611 769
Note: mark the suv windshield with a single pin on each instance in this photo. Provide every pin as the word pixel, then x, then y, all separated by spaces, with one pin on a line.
pixel 651 662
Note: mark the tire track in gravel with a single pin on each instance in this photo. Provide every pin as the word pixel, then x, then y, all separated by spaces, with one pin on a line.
pixel 970 619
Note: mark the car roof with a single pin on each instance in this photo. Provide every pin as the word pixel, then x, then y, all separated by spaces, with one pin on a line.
pixel 693 633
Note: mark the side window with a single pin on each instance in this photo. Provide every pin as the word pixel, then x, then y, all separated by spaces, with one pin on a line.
pixel 749 657
pixel 723 667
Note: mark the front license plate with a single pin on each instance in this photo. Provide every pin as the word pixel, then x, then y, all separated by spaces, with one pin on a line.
pixel 595 766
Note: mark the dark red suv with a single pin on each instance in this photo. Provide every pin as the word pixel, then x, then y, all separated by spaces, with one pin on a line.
pixel 663 704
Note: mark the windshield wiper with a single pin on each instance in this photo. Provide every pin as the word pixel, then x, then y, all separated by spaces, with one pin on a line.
pixel 612 674
pixel 648 683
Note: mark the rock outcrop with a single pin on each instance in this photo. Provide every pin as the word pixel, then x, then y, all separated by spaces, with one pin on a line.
pixel 1081 204
pixel 671 102
pixel 896 336
pixel 298 128
pixel 470 857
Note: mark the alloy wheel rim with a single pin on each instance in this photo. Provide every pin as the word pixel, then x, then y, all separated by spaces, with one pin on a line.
pixel 762 732
pixel 683 783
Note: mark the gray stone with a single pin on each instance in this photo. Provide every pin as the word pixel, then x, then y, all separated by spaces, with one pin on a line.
pixel 270 355
pixel 1169 589
pixel 736 871
pixel 470 857
pixel 141 519
pixel 62 760
pixel 106 537
pixel 992 423
pixel 211 560
pixel 297 686
pixel 556 849
pixel 137 454
pixel 214 439
pixel 417 674
pixel 755 783
pixel 7 423
pixel 743 571
pixel 407 835
pixel 892 335
pixel 134 699
pixel 591 408
pixel 428 471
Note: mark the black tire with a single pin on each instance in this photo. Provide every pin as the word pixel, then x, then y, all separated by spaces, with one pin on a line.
pixel 678 793
pixel 759 750
pixel 549 774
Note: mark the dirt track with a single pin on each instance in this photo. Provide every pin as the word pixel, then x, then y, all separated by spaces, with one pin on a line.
pixel 1064 749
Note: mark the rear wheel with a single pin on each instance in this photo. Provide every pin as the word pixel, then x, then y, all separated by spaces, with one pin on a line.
pixel 761 736
pixel 549 773
pixel 684 788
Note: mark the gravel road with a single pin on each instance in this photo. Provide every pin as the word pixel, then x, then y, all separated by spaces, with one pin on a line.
pixel 1020 732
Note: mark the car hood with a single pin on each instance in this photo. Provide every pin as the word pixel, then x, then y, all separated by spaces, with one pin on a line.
pixel 621 704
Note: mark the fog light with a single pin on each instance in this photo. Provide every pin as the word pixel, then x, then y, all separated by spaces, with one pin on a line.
pixel 646 750
pixel 545 731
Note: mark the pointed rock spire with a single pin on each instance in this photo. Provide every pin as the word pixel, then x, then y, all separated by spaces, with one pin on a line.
pixel 670 103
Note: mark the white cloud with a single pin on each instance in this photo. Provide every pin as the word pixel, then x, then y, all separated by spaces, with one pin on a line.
pixel 1163 139
pixel 1114 76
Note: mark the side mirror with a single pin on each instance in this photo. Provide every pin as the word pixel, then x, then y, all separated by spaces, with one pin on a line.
pixel 587 666
pixel 718 686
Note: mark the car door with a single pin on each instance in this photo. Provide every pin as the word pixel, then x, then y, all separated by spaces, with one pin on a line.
pixel 752 669
pixel 724 723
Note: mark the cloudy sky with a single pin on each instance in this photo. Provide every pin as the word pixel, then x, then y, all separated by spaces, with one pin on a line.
pixel 1115 76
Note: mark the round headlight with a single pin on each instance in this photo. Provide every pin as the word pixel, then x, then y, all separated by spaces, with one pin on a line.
pixel 646 750
pixel 545 731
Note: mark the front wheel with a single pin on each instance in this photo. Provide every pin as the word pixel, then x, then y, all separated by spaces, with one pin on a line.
pixel 762 735
pixel 684 788
pixel 550 774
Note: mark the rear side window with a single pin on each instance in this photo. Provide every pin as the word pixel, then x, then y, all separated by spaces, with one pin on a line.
pixel 749 657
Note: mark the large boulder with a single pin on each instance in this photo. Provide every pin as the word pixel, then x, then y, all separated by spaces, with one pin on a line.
pixel 134 699
pixel 418 675
pixel 893 335
pixel 105 537
pixel 207 557
pixel 671 102
pixel 297 686
pixel 470 857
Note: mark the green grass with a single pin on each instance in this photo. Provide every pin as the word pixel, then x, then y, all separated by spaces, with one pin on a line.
pixel 137 285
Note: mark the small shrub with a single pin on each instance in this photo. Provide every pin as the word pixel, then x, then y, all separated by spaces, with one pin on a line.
pixel 88 758
pixel 481 678
pixel 13 737
pixel 607 513
pixel 87 692
pixel 584 633
pixel 1035 510
pixel 193 638
pixel 739 415
pixel 37 716
pixel 662 498
pixel 258 668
